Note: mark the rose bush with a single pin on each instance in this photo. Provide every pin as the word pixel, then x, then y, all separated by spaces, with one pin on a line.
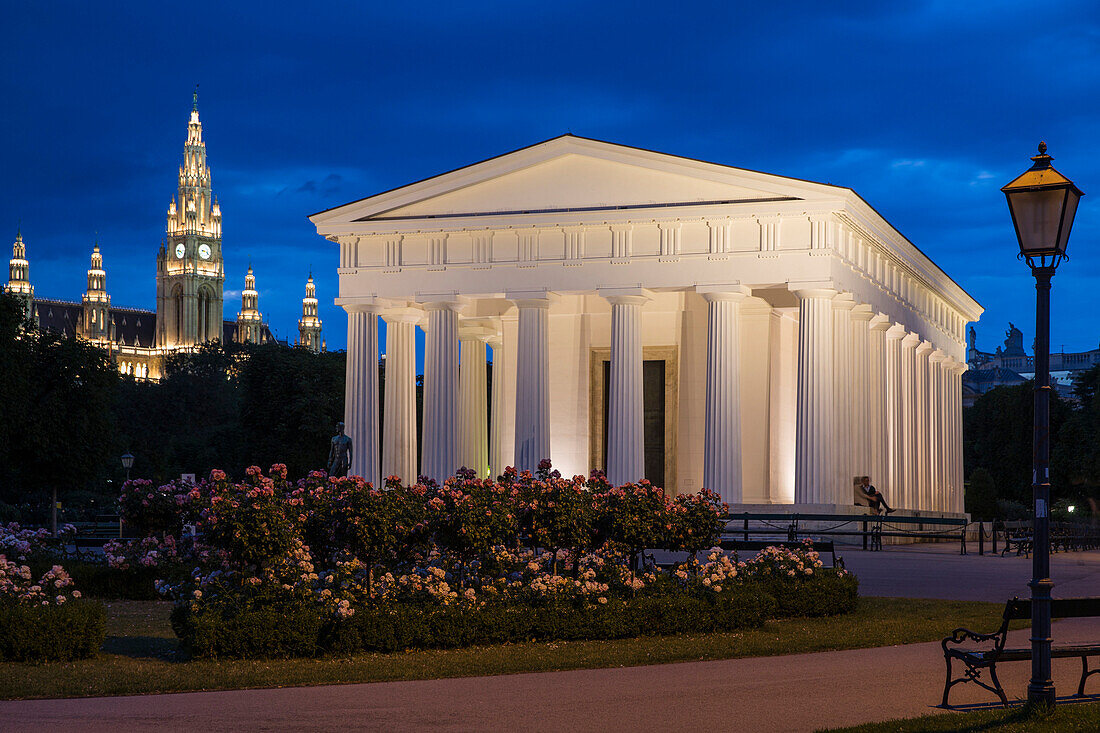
pixel 45 619
pixel 282 568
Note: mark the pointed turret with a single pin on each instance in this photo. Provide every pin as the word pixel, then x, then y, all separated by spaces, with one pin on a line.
pixel 249 320
pixel 309 327
pixel 95 325
pixel 19 273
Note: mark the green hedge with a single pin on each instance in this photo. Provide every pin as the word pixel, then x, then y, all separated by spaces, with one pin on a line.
pixel 275 632
pixel 820 595
pixel 75 630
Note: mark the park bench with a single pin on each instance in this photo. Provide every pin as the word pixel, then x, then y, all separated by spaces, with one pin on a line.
pixel 1017 536
pixel 95 534
pixel 989 649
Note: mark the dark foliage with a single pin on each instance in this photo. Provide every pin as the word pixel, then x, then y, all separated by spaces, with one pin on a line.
pixel 66 415
pixel 52 633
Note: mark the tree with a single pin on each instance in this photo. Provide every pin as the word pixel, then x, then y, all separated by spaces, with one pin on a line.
pixel 998 436
pixel 981 495
pixel 57 420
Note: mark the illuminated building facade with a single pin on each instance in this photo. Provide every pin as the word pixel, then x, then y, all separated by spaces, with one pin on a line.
pixel 655 317
pixel 190 280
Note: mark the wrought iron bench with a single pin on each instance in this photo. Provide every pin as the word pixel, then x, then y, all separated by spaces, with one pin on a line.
pixel 989 649
pixel 1017 537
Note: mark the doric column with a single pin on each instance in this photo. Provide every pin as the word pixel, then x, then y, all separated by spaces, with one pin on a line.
pixel 496 419
pixel 815 471
pixel 625 438
pixel 907 445
pixel 440 454
pixel 722 435
pixel 923 429
pixel 937 425
pixel 949 367
pixel 473 402
pixel 842 400
pixel 399 416
pixel 361 391
pixel 860 397
pixel 878 428
pixel 953 434
pixel 958 505
pixel 533 383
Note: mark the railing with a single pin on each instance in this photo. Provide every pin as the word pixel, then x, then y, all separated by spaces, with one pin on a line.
pixel 1018 535
pixel 869 528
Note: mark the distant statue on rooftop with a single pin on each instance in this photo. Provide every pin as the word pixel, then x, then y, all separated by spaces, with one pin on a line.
pixel 1014 341
pixel 339 455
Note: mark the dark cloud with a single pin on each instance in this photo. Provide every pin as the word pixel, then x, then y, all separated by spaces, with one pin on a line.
pixel 924 107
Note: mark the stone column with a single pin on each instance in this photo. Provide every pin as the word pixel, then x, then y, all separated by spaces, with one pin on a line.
pixel 496 420
pixel 533 383
pixel 877 394
pixel 937 428
pixel 841 488
pixel 959 505
pixel 361 391
pixel 625 437
pixel 949 367
pixel 399 417
pixel 907 445
pixel 923 430
pixel 440 454
pixel 473 402
pixel 860 397
pixel 722 431
pixel 814 455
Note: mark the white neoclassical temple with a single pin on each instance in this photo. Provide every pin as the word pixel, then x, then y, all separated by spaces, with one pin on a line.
pixel 657 317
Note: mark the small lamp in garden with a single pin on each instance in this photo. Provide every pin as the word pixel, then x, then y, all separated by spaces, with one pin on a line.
pixel 127 463
pixel 1043 203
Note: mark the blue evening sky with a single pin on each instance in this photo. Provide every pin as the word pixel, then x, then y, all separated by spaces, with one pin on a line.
pixel 925 108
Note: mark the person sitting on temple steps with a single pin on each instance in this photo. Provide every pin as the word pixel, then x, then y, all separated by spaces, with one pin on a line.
pixel 874 496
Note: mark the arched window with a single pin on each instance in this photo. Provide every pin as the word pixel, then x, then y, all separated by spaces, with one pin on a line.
pixel 177 310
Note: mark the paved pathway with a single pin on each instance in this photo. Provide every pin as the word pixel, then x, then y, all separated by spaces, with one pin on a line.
pixel 788 693
pixel 938 571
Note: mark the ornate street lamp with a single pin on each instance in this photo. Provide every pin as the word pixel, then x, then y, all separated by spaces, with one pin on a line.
pixel 127 463
pixel 1043 203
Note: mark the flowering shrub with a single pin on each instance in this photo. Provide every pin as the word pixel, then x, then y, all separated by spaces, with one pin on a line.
pixel 292 568
pixel 147 509
pixel 17 585
pixel 27 544
pixel 147 552
pixel 45 619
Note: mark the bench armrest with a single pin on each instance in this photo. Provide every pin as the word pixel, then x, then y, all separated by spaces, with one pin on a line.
pixel 960 635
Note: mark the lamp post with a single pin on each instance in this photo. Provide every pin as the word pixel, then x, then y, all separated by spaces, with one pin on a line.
pixel 127 463
pixel 1043 203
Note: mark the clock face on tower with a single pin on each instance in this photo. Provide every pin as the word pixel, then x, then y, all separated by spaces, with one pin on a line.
pixel 204 251
pixel 179 251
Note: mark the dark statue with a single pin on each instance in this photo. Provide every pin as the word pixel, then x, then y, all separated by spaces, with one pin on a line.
pixel 339 455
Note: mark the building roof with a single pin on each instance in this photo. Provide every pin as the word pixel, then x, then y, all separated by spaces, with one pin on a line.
pixel 133 326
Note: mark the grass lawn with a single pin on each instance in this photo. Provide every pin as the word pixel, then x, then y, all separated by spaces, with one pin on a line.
pixel 1066 717
pixel 141 653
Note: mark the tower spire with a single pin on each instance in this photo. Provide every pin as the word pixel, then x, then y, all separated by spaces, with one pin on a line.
pixel 309 327
pixel 97 303
pixel 195 99
pixel 19 273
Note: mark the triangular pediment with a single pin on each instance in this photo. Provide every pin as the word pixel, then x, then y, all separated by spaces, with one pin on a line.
pixel 571 174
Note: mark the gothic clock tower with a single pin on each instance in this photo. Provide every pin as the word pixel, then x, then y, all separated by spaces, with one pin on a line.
pixel 190 268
